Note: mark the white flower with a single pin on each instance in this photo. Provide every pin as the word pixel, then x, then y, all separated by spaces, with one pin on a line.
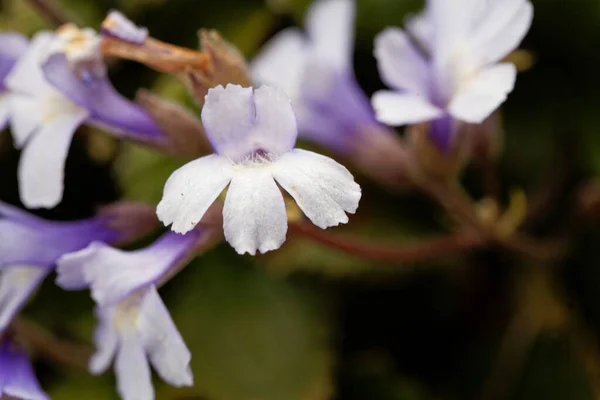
pixel 138 332
pixel 253 133
pixel 460 74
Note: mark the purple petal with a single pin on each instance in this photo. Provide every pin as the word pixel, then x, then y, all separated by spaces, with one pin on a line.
pixel 18 377
pixel 12 45
pixel 16 286
pixel 332 107
pixel 106 106
pixel 114 274
pixel 27 240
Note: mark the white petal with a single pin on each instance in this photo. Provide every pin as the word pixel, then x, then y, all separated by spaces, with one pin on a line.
pixel 134 380
pixel 501 29
pixel 25 117
pixel 41 168
pixel 281 61
pixel 323 189
pixel 330 25
pixel 26 76
pixel 166 349
pixel 191 189
pixel 420 28
pixel 106 341
pixel 397 109
pixel 484 93
pixel 400 64
pixel 254 216
pixel 240 121
pixel 16 286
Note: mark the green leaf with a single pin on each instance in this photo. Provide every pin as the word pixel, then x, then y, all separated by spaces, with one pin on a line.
pixel 252 336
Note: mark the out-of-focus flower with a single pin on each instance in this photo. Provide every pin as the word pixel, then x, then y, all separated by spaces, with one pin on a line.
pixel 17 378
pixel 12 46
pixel 446 69
pixel 30 247
pixel 118 25
pixel 253 133
pixel 57 85
pixel 135 327
pixel 315 70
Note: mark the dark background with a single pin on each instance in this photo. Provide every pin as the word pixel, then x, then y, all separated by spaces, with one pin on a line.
pixel 309 323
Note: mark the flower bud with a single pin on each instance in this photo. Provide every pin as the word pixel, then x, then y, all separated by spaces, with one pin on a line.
pixel 227 65
pixel 185 133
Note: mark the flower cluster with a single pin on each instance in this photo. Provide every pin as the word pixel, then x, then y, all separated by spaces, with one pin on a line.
pixel 445 70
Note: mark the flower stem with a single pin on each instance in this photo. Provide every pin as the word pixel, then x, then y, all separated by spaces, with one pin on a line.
pixel 422 251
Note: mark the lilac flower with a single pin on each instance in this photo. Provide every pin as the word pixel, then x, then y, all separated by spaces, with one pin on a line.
pixel 451 71
pixel 30 247
pixel 315 70
pixel 12 46
pixel 17 379
pixel 59 84
pixel 253 133
pixel 135 327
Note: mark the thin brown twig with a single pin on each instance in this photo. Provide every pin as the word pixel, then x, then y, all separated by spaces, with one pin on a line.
pixel 74 355
pixel 51 12
pixel 404 253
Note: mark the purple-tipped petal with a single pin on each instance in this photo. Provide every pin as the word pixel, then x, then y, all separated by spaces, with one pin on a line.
pixel 17 375
pixel 37 242
pixel 106 106
pixel 12 46
pixel 118 25
pixel 114 274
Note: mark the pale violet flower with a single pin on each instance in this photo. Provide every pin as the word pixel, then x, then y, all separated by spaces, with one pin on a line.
pixel 135 327
pixel 30 247
pixel 118 25
pixel 315 70
pixel 253 133
pixel 12 46
pixel 447 67
pixel 17 378
pixel 57 85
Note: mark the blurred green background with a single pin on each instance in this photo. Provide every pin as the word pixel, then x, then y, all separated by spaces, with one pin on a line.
pixel 309 323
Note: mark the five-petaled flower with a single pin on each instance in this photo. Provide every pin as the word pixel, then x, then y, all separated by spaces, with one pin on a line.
pixel 135 327
pixel 253 133
pixel 57 85
pixel 447 67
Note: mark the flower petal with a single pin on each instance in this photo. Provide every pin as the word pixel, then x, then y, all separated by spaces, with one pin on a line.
pixel 22 383
pixel 330 25
pixel 240 121
pixel 484 93
pixel 26 76
pixel 106 106
pixel 134 380
pixel 17 283
pixel 166 349
pixel 281 61
pixel 400 64
pixel 397 109
pixel 41 168
pixel 106 341
pixel 420 28
pixel 25 117
pixel 254 216
pixel 323 189
pixel 501 30
pixel 191 189
pixel 113 274
pixel 12 46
